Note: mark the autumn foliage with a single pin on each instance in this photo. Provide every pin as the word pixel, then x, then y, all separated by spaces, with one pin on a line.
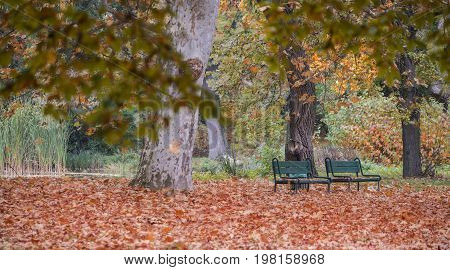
pixel 373 127
pixel 233 214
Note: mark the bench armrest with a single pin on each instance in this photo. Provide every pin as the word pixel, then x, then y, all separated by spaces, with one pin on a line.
pixel 342 176
pixel 362 172
pixel 371 175
pixel 290 177
pixel 321 177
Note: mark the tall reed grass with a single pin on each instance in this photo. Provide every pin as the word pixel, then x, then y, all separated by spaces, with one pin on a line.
pixel 32 144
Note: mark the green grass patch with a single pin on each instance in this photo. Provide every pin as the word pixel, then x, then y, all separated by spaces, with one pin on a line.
pixel 122 164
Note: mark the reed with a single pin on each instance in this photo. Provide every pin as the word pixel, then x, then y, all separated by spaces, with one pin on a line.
pixel 32 144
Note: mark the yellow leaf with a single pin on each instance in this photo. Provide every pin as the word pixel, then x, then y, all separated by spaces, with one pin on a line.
pixel 90 131
pixel 298 83
pixel 174 147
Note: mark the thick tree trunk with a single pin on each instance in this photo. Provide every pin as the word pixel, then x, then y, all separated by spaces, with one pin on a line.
pixel 301 101
pixel 167 163
pixel 216 134
pixel 301 105
pixel 216 139
pixel 412 162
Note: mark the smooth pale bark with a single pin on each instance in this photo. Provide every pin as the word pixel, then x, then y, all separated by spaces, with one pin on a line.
pixel 216 139
pixel 167 163
pixel 217 144
pixel 412 161
pixel 440 93
pixel 302 111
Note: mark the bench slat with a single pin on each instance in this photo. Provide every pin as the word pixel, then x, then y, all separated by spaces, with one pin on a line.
pixel 345 169
pixel 291 167
pixel 339 166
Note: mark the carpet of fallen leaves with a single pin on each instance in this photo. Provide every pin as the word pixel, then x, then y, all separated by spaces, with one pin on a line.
pixel 233 214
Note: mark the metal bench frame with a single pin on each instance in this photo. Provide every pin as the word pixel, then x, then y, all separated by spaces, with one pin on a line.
pixel 298 182
pixel 349 167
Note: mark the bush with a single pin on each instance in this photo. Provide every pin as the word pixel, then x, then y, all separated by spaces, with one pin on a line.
pixel 372 126
pixel 265 155
pixel 333 152
pixel 244 167
pixel 123 164
pixel 230 165
pixel 205 165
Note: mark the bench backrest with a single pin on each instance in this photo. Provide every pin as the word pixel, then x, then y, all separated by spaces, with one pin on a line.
pixel 292 167
pixel 340 166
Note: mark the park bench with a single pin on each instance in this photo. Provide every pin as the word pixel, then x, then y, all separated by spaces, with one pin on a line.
pixel 338 170
pixel 297 173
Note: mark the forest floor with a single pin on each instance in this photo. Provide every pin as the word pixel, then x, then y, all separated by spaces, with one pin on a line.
pixel 70 213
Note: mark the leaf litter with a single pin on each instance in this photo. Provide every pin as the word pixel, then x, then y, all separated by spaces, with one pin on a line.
pixel 66 213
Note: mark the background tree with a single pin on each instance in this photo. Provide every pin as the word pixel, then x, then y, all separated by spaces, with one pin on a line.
pixel 251 96
pixel 301 101
pixel 217 140
pixel 387 27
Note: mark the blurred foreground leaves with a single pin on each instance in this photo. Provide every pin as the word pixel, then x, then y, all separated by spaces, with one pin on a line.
pixel 102 58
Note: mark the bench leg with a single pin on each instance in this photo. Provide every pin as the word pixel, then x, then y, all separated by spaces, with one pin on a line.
pixel 358 186
pixel 275 188
pixel 307 187
pixel 378 186
pixel 348 185
pixel 328 188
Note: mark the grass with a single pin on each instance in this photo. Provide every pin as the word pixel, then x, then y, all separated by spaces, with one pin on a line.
pixel 32 144
pixel 121 164
pixel 205 169
pixel 393 176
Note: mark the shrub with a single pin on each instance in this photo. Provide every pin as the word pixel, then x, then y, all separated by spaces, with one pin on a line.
pixel 123 164
pixel 205 165
pixel 334 152
pixel 372 126
pixel 230 165
pixel 265 155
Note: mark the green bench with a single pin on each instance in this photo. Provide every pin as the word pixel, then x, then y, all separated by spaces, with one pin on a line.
pixel 296 173
pixel 338 172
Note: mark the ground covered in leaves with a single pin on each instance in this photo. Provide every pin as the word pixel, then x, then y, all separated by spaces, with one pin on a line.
pixel 233 214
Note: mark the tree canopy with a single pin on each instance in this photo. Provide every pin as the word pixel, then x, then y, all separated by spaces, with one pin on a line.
pixel 110 55
pixel 384 28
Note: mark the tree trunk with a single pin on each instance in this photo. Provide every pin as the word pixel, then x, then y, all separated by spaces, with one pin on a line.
pixel 167 162
pixel 217 144
pixel 301 101
pixel 216 139
pixel 412 162
pixel 301 105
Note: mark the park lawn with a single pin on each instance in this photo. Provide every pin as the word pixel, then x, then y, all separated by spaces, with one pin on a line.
pixel 68 213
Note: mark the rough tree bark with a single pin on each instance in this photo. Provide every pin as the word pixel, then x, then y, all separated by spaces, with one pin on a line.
pixel 412 162
pixel 301 102
pixel 167 162
pixel 301 106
